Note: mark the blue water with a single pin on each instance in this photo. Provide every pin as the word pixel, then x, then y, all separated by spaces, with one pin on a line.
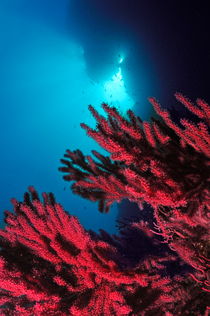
pixel 48 78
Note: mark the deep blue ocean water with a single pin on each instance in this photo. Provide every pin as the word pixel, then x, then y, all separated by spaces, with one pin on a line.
pixel 59 56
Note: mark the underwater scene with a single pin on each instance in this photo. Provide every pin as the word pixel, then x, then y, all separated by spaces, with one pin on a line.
pixel 105 147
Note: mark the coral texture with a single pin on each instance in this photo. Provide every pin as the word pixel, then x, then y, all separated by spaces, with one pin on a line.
pixel 50 265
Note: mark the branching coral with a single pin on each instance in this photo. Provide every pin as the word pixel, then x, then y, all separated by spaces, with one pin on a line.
pixel 50 265
pixel 156 162
pixel 159 163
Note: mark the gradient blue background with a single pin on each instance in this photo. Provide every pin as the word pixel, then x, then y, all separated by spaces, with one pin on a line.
pixel 58 56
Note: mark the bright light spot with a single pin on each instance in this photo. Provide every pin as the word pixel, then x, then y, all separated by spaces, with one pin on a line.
pixel 115 93
pixel 117 78
pixel 120 60
pixel 114 88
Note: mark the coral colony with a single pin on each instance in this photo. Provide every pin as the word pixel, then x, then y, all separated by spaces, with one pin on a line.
pixel 51 265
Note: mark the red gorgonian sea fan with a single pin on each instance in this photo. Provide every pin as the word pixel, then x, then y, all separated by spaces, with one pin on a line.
pixel 156 162
pixel 159 163
pixel 50 265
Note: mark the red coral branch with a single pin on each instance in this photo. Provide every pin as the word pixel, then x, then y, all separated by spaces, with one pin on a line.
pixel 53 240
pixel 195 136
pixel 49 265
pixel 157 162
